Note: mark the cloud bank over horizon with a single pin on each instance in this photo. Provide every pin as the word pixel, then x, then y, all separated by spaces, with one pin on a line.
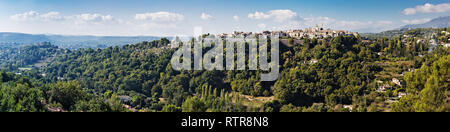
pixel 170 23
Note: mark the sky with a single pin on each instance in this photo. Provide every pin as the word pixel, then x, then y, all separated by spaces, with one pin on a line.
pixel 192 17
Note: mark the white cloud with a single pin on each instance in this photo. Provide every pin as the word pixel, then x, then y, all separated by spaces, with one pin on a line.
pixel 160 17
pixel 52 16
pixel 258 15
pixel 93 17
pixel 428 8
pixel 416 21
pixel 107 18
pixel 56 16
pixel 205 16
pixel 92 23
pixel 236 18
pixel 33 15
pixel 276 15
pixel 25 16
pixel 96 19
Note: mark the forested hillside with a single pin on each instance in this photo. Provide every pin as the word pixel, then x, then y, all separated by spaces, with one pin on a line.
pixel 21 94
pixel 129 70
pixel 28 56
pixel 341 74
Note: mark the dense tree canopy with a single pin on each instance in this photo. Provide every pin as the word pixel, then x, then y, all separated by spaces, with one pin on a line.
pixel 345 73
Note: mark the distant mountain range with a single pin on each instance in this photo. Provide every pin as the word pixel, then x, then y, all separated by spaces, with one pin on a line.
pixel 71 42
pixel 440 22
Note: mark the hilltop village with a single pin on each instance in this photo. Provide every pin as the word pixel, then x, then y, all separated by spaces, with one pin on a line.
pixel 311 32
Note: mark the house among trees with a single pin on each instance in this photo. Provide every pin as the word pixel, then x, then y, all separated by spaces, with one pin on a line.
pixel 384 87
pixel 349 107
pixel 401 94
pixel 396 81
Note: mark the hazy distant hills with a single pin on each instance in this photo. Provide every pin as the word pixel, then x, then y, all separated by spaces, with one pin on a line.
pixel 71 42
pixel 76 42
pixel 440 22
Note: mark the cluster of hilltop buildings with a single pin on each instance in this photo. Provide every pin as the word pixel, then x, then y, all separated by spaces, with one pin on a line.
pixel 433 40
pixel 298 34
pixel 312 32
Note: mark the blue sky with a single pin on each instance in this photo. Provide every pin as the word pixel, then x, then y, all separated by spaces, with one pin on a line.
pixel 181 17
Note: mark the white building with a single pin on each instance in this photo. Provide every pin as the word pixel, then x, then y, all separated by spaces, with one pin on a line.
pixel 396 81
